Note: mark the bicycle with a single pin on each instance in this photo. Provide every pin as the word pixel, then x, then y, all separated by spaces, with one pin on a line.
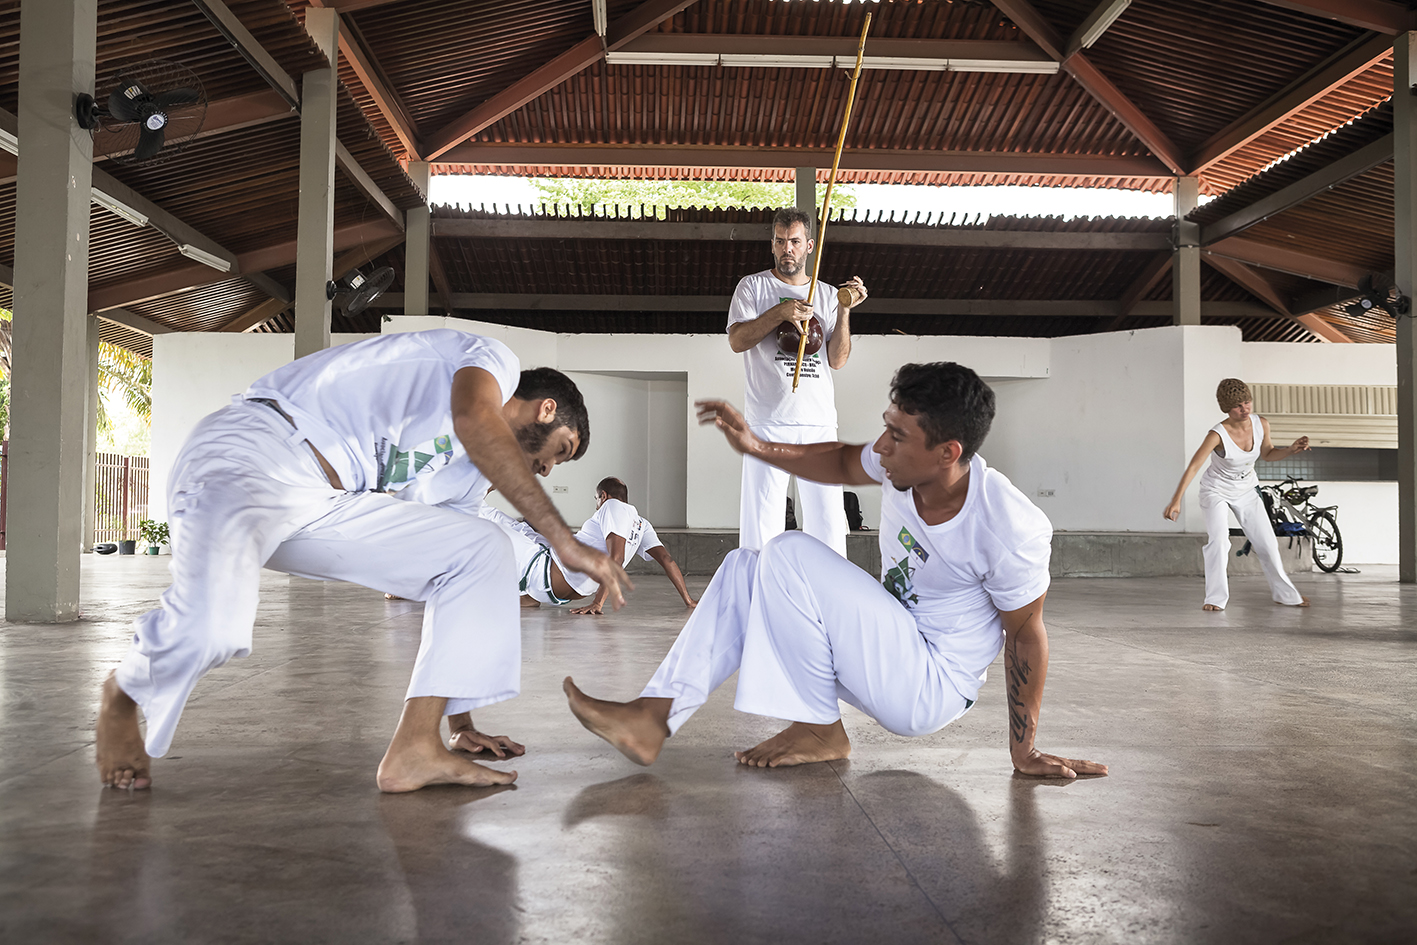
pixel 1292 515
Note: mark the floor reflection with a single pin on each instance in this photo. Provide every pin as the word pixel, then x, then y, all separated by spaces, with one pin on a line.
pixel 461 890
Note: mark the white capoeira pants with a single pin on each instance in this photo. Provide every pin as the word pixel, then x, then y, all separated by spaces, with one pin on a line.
pixel 245 492
pixel 762 509
pixel 804 627
pixel 533 555
pixel 1249 510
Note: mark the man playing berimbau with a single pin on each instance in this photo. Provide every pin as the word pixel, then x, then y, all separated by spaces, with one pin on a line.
pixel 296 474
pixel 964 557
pixel 778 408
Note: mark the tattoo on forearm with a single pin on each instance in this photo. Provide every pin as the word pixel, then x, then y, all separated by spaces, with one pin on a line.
pixel 1018 672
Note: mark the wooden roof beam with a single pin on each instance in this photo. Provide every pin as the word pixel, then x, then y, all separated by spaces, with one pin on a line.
pixel 1261 288
pixel 852 159
pixel 121 316
pixel 251 50
pixel 589 50
pixel 151 285
pixel 1380 16
pixel 847 233
pixel 1098 22
pixel 1346 64
pixel 1281 259
pixel 1146 279
pixel 876 305
pixel 356 52
pixel 1038 29
pixel 366 185
pixel 824 52
pixel 1345 168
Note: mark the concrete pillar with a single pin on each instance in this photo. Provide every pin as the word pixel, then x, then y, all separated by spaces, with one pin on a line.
pixel 418 232
pixel 806 180
pixel 315 242
pixel 48 389
pixel 1404 160
pixel 91 438
pixel 1186 266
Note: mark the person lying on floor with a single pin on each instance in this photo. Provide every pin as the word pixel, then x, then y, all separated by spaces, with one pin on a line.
pixel 964 558
pixel 616 528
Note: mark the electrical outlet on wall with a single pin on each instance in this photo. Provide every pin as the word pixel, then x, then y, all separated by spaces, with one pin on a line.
pixel 1045 493
pixel 560 488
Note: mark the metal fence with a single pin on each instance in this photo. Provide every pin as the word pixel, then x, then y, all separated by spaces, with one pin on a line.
pixel 120 496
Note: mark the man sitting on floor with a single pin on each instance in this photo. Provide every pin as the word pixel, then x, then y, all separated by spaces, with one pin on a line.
pixel 616 529
pixel 964 556
pixel 294 475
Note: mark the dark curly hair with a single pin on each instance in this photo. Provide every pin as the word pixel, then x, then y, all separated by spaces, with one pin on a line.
pixel 948 400
pixel 543 382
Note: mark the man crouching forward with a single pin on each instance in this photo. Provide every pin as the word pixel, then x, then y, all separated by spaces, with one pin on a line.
pixel 964 557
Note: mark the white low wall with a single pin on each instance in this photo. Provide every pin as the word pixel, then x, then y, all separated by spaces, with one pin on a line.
pixel 1096 429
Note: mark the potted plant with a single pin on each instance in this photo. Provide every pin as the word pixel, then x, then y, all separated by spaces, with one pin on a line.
pixel 152 534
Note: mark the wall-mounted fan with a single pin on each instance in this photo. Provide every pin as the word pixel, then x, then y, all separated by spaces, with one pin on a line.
pixel 152 109
pixel 360 290
pixel 1378 291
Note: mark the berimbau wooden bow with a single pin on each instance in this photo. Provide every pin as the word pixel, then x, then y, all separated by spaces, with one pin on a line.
pixel 827 199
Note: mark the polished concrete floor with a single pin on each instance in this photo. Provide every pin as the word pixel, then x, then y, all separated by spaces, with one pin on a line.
pixel 1263 789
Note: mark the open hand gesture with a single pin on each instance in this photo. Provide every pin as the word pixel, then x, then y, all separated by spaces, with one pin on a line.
pixel 722 414
pixel 608 574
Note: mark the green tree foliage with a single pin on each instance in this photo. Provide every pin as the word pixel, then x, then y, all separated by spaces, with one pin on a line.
pixel 121 374
pixel 598 195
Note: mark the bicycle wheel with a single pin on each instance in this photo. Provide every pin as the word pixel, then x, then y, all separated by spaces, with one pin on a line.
pixel 1327 542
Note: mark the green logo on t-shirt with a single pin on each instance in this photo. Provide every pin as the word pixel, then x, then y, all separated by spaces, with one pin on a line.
pixel 898 581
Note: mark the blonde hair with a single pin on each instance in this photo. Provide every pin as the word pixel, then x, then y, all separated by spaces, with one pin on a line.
pixel 1231 393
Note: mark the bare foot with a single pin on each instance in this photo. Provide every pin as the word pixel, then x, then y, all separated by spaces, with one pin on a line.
pixel 799 744
pixel 408 768
pixel 416 757
pixel 1303 602
pixel 637 729
pixel 122 760
pixel 393 597
pixel 1212 607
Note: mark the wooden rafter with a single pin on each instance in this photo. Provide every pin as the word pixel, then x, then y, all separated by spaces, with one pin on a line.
pixel 589 50
pixel 1146 279
pixel 852 159
pixel 1097 22
pixel 141 287
pixel 1380 16
pixel 1281 259
pixel 1261 288
pixel 1345 168
pixel 1358 57
pixel 1038 29
pixel 356 52
pixel 230 26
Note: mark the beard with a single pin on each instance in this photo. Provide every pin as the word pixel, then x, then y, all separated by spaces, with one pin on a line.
pixel 532 437
pixel 790 269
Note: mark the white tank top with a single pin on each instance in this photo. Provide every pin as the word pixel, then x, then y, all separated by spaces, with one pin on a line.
pixel 1235 471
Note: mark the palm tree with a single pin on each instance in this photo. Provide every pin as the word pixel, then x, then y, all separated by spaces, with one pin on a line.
pixel 121 373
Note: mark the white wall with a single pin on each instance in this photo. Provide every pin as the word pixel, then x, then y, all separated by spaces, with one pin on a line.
pixel 1275 362
pixel 195 373
pixel 1105 432
pixel 1107 422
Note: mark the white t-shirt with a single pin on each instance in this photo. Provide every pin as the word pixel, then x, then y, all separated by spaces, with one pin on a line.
pixel 768 393
pixel 955 577
pixel 612 518
pixel 380 410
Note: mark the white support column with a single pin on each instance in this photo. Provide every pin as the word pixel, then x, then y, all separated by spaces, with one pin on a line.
pixel 48 391
pixel 806 181
pixel 91 437
pixel 1186 264
pixel 1404 160
pixel 417 229
pixel 315 242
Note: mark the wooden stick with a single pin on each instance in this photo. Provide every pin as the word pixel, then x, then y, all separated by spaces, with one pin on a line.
pixel 826 202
